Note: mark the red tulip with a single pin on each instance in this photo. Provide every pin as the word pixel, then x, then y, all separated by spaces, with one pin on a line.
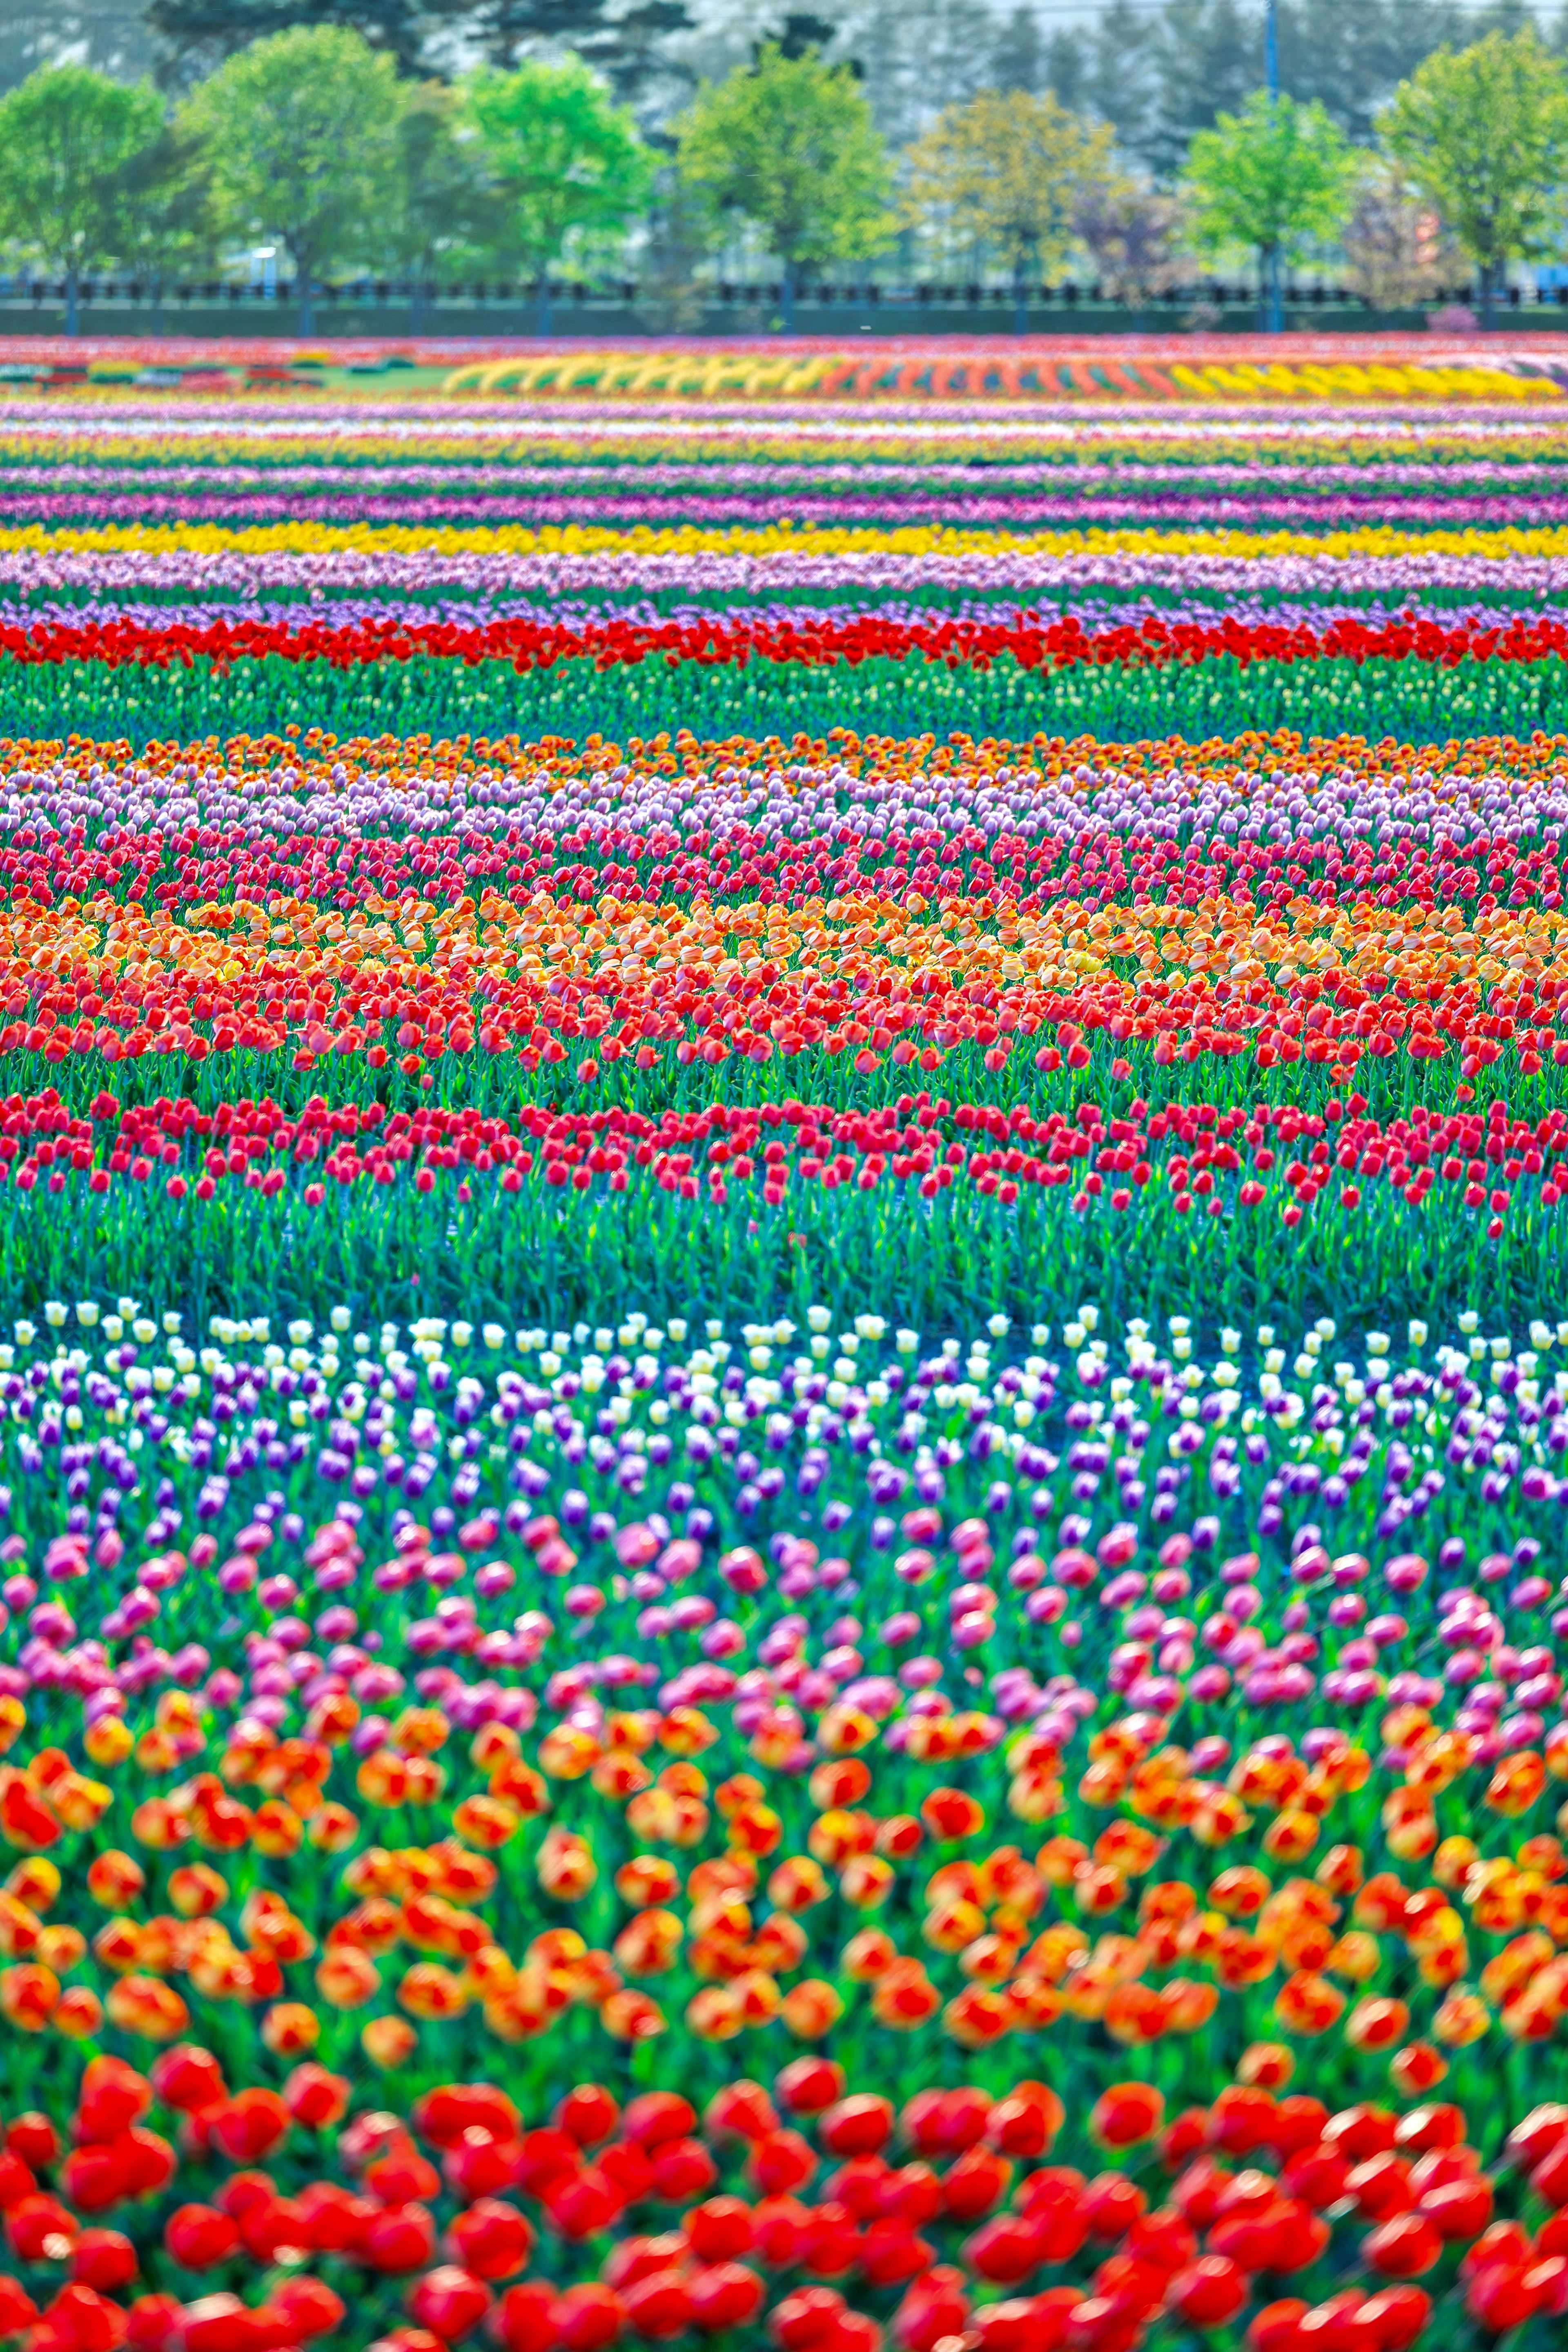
pixel 657 2307
pixel 41 2230
pixel 808 2085
pixel 400 2238
pixel 857 2125
pixel 720 2228
pixel 151 2322
pixel 1397 2314
pixel 682 2168
pixel 449 2302
pixel 187 2077
pixel 492 2239
pixel 1208 2292
pixel 310 2305
pixel 199 2236
pixel 1005 2251
pixel 804 2317
pixel 934 2307
pixel 784 2161
pixel 725 2295
pixel 1126 2113
pixel 1403 2248
pixel 742 2111
pixel 316 2098
pixel 445 2114
pixel 586 2318
pixel 1276 2328
pixel 31 2139
pixel 583 2205
pixel 81 2318
pixel 335 2219
pixel 112 2095
pixel 587 2115
pixel 522 2319
pixel 657 2117
pixel 250 2124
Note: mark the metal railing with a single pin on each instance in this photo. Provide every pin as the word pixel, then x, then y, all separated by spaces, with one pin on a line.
pixel 381 293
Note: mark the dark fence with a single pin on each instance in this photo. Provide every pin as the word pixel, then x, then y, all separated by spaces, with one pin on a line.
pixel 381 307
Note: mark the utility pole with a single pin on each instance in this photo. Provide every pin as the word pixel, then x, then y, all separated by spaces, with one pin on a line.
pixel 1273 315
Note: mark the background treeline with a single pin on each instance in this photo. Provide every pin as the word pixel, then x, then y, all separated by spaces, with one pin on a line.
pixel 432 142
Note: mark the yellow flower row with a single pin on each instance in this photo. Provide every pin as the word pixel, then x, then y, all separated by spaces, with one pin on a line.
pixel 769 539
pixel 707 376
pixel 653 435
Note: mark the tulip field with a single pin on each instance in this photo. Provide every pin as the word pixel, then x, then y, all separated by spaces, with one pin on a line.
pixel 784 1367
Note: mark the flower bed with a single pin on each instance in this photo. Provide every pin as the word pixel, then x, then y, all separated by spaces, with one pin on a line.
pixel 784 1407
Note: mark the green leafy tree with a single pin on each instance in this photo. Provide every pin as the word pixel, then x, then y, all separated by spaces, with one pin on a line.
pixel 1005 172
pixel 1272 177
pixel 299 132
pixel 789 145
pixel 1483 135
pixel 165 209
pixel 565 159
pixel 444 213
pixel 66 136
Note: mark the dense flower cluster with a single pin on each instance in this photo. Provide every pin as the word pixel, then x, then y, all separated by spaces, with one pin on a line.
pixel 851 1655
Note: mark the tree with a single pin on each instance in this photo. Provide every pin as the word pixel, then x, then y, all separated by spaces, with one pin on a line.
pixel 1272 177
pixel 915 57
pixel 442 210
pixel 671 297
pixel 1354 59
pixel 202 33
pixel 1483 133
pixel 619 39
pixel 1130 234
pixel 1399 257
pixel 298 131
pixel 66 135
pixel 111 36
pixel 629 49
pixel 1020 59
pixel 1207 54
pixel 565 160
pixel 789 145
pixel 1156 80
pixel 1006 171
pixel 165 209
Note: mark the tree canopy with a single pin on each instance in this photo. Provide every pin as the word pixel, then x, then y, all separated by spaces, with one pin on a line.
pixel 788 143
pixel 1483 135
pixel 566 162
pixel 66 137
pixel 1005 172
pixel 1271 179
pixel 299 129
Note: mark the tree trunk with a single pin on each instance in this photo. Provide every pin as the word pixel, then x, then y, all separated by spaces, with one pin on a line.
pixel 542 318
pixel 1272 320
pixel 1020 300
pixel 71 321
pixel 158 303
pixel 1488 295
pixel 417 294
pixel 305 289
pixel 789 298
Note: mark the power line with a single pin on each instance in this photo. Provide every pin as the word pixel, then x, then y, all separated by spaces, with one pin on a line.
pixel 1089 12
